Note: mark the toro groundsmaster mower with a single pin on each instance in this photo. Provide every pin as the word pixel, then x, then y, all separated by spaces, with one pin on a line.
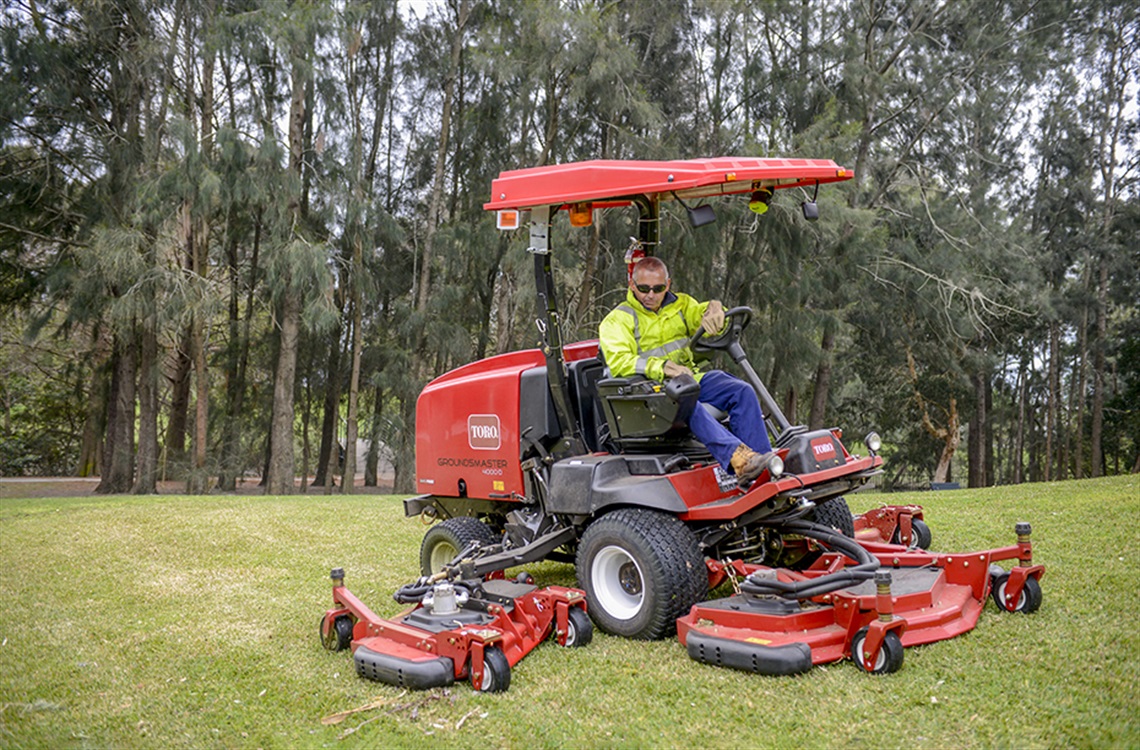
pixel 540 454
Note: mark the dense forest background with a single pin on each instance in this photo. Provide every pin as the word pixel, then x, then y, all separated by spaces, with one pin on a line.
pixel 236 236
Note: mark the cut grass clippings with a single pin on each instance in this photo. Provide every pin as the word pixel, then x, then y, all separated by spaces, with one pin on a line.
pixel 192 622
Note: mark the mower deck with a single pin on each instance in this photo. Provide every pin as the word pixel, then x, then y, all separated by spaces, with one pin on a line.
pixel 445 638
pixel 917 597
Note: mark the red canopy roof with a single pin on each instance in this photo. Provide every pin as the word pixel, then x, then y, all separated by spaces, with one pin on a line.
pixel 615 182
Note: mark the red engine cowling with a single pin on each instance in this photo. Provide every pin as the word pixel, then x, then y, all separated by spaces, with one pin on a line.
pixel 469 423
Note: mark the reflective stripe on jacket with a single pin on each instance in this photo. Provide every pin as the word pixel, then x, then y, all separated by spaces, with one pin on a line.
pixel 635 340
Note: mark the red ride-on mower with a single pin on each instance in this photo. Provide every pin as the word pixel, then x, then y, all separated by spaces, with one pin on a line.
pixel 466 623
pixel 540 454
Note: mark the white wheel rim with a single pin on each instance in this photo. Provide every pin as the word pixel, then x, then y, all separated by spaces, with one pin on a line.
pixel 879 662
pixel 441 554
pixel 1005 599
pixel 610 565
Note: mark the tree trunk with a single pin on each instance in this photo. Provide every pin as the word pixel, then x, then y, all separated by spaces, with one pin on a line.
pixel 281 466
pixel 463 12
pixel 822 379
pixel 1054 396
pixel 118 456
pixel 281 434
pixel 372 464
pixel 179 408
pixel 146 480
pixel 949 436
pixel 976 442
pixel 348 482
pixel 90 454
pixel 328 464
pixel 1019 443
pixel 1096 438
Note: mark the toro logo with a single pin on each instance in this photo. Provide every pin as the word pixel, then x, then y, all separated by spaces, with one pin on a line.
pixel 823 449
pixel 483 432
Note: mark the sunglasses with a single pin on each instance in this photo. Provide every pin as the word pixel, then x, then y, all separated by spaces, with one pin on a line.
pixel 647 288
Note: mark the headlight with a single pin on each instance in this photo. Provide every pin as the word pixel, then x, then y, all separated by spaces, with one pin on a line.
pixel 873 442
pixel 775 467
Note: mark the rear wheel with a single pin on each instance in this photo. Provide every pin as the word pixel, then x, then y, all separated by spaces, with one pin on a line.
pixel 641 570
pixel 445 540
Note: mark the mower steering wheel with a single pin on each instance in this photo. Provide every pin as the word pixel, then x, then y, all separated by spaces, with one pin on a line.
pixel 737 318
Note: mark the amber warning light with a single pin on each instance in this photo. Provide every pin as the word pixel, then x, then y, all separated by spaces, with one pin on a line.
pixel 507 219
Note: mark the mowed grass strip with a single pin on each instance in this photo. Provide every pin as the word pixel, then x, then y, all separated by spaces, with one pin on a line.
pixel 192 622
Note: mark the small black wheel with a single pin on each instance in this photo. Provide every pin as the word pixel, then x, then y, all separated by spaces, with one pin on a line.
pixel 579 629
pixel 1027 603
pixel 890 657
pixel 339 636
pixel 836 514
pixel 920 535
pixel 445 540
pixel 496 672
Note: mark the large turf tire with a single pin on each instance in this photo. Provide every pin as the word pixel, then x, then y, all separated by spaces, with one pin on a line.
pixel 641 570
pixel 447 539
pixel 837 515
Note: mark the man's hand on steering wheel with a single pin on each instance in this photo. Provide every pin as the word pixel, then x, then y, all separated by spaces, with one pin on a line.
pixel 738 319
pixel 713 319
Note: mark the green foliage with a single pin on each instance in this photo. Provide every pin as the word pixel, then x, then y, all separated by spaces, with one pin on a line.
pixel 152 181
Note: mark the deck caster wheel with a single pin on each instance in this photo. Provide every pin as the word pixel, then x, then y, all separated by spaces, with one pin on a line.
pixel 338 636
pixel 496 672
pixel 1028 602
pixel 920 534
pixel 890 657
pixel 579 628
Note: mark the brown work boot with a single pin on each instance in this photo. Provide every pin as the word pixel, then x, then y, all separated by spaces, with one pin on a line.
pixel 748 464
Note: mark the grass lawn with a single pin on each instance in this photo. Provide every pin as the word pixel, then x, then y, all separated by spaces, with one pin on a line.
pixel 192 621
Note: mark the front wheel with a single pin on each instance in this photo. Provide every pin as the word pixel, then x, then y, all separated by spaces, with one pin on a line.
pixel 337 635
pixel 1028 602
pixel 890 656
pixel 445 540
pixel 579 628
pixel 836 514
pixel 496 672
pixel 920 534
pixel 641 570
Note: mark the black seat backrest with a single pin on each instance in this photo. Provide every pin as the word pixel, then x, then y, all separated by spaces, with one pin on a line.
pixel 584 377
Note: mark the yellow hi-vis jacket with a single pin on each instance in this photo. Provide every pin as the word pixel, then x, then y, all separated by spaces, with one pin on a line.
pixel 638 341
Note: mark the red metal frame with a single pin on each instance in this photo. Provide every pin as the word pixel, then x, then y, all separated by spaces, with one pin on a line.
pixel 880 524
pixel 516 630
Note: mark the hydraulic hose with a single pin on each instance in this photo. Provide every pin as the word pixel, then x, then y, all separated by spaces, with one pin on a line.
pixel 863 570
pixel 413 593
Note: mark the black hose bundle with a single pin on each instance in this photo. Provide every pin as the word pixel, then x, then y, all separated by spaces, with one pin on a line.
pixel 414 593
pixel 864 570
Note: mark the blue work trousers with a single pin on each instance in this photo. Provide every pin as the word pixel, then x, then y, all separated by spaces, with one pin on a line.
pixel 745 420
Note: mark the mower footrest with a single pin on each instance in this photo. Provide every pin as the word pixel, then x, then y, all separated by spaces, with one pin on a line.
pixel 791 658
pixel 393 669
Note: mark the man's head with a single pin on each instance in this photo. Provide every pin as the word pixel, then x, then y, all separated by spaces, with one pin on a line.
pixel 650 282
